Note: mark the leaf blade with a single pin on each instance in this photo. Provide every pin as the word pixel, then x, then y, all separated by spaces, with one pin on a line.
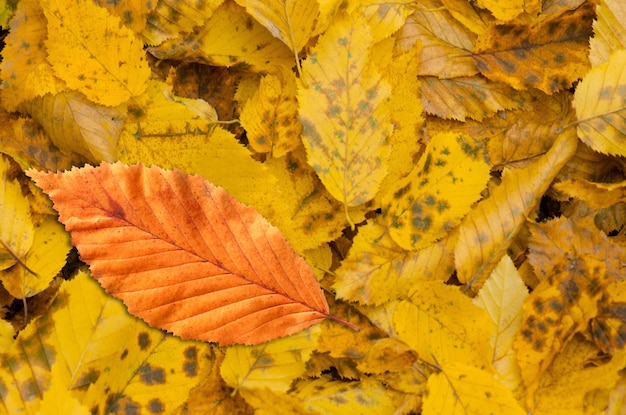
pixel 208 267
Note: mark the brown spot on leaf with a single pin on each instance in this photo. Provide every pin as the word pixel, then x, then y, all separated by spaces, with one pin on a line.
pixel 144 340
pixel 151 375
pixel 155 406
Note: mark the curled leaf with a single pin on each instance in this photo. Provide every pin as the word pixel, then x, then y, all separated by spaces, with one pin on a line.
pixel 184 255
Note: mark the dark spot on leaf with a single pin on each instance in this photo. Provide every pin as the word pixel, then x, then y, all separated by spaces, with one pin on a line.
pixel 91 376
pixel 143 340
pixel 556 305
pixel 552 26
pixel 528 335
pixel 94 410
pixel 190 368
pixel 190 352
pixel 429 200
pixel 427 164
pixel 155 406
pixel 503 29
pixel 151 375
pixel 559 58
pixel 400 192
pixel 542 327
pixel 538 344
pixel 249 23
pixel 538 306
pixel 422 223
pixel 442 205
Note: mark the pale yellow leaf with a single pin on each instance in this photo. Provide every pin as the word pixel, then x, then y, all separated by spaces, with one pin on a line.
pixel 272 365
pixel 343 113
pixel 502 296
pixel 90 50
pixel 7 332
pixel 442 325
pixel 609 31
pixel 383 17
pixel 460 389
pixel 601 107
pixel 488 230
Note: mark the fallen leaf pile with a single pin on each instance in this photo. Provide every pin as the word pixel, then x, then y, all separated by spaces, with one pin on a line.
pixel 313 207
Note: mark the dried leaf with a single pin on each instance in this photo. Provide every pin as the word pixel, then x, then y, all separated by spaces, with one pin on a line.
pixel 488 230
pixel 236 279
pixel 609 31
pixel 503 10
pixel 600 106
pixel 90 50
pixel 344 115
pixel 441 189
pixel 549 55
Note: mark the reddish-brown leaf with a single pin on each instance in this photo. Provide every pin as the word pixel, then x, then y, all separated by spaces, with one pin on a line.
pixel 184 255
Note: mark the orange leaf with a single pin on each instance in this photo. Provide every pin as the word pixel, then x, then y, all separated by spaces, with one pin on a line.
pixel 184 255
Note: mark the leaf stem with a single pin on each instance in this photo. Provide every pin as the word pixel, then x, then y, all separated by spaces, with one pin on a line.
pixel 343 322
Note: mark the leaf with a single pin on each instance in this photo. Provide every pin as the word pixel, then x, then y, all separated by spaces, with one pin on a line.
pixel 290 21
pixel 600 107
pixel 460 389
pixel 273 365
pixel 609 31
pixel 270 116
pixel 487 231
pixel 229 38
pixel 503 10
pixel 465 97
pixel 443 326
pixel 439 191
pixel 384 18
pixel 25 72
pixel 344 115
pixel 133 14
pixel 549 55
pixel 595 195
pixel 502 296
pixel 377 269
pixel 89 50
pixel 447 43
pixel 246 285
pixel 74 124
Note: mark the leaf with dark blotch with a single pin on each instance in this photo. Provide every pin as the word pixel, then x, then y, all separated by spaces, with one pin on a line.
pixel 184 255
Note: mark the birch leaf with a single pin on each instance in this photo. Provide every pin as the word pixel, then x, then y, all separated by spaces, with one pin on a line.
pixel 609 31
pixel 464 390
pixel 600 105
pixel 487 231
pixel 273 365
pixel 502 296
pixel 237 280
pixel 90 50
pixel 344 115
pixel 291 21
pixel 440 190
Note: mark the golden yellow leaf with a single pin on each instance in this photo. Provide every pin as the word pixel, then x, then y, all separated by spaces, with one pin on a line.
pixel 291 21
pixel 609 31
pixel 503 10
pixel 595 195
pixel 16 233
pixel 330 397
pixel 272 365
pixel 230 37
pixel 447 43
pixel 549 55
pixel 441 189
pixel 465 97
pixel 377 270
pixel 171 17
pixel 25 72
pixel 460 389
pixel 488 230
pixel 442 325
pixel 344 114
pixel 76 125
pixel 133 13
pixel 473 18
pixel 7 333
pixel 93 54
pixel 502 296
pixel 59 399
pixel 268 402
pixel 42 262
pixel 270 116
pixel 383 17
pixel 600 107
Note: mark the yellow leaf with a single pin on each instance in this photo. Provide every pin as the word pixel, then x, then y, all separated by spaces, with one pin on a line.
pixel 442 325
pixel 600 106
pixel 549 55
pixel 460 389
pixel 270 116
pixel 291 21
pixel 59 399
pixel 229 38
pixel 133 13
pixel 25 72
pixel 272 365
pixel 16 232
pixel 44 260
pixel 447 43
pixel 7 332
pixel 171 17
pixel 330 397
pixel 93 54
pixel 377 270
pixel 502 296
pixel 383 17
pixel 503 10
pixel 465 97
pixel 609 31
pixel 344 114
pixel 268 402
pixel 441 189
pixel 486 233
pixel 76 125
